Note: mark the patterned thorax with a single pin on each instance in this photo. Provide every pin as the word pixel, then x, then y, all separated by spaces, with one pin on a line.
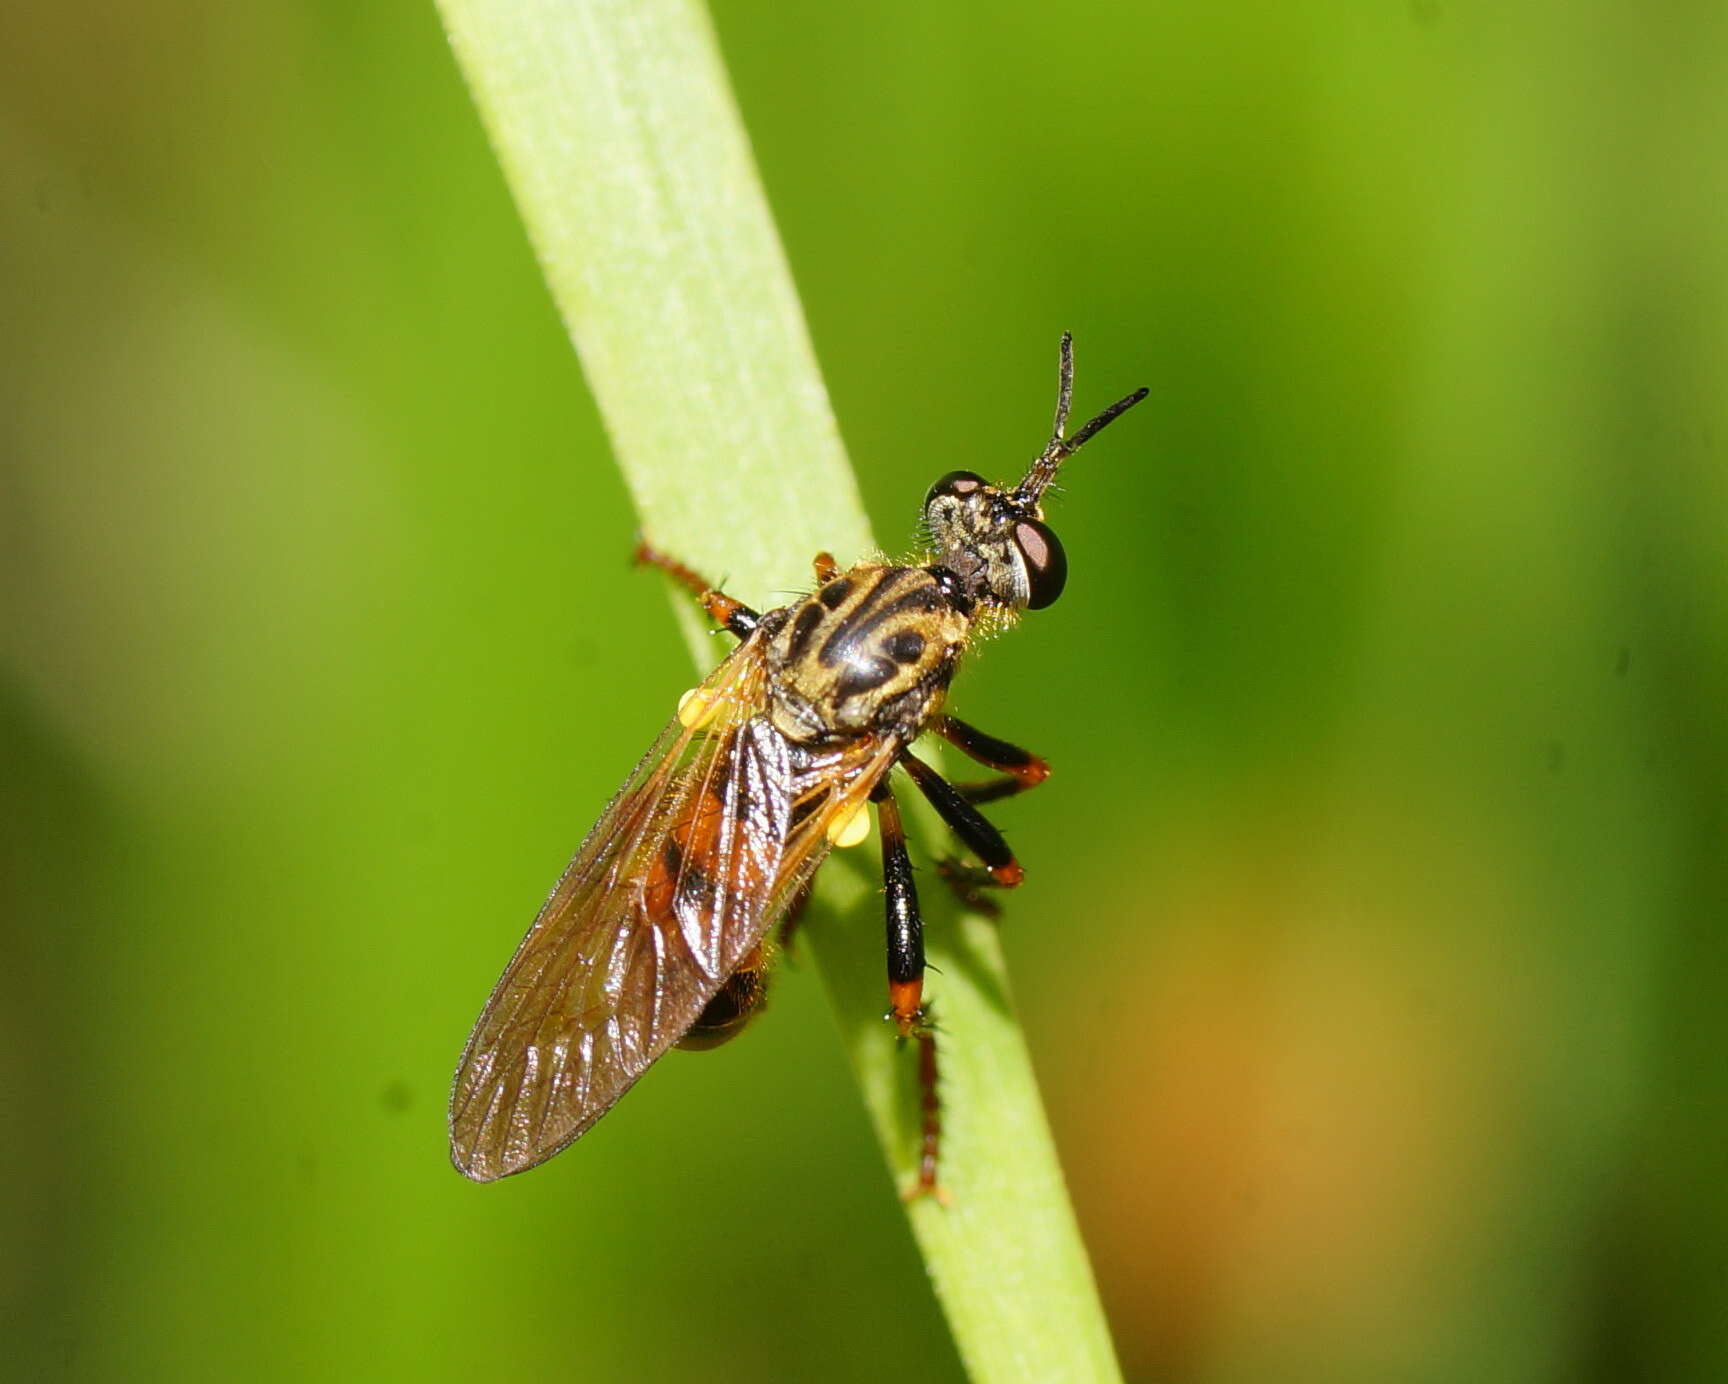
pixel 873 650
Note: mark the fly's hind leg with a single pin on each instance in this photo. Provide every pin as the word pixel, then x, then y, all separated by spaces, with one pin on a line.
pixel 906 986
pixel 735 616
pixel 930 1116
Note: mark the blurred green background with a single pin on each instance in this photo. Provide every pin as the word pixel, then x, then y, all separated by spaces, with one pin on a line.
pixel 1373 950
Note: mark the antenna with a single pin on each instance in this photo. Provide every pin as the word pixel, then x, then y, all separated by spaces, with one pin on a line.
pixel 1059 449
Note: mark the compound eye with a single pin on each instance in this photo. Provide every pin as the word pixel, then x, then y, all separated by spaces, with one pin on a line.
pixel 1046 563
pixel 955 483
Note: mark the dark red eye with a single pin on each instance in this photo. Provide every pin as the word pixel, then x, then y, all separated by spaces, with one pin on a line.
pixel 954 483
pixel 1046 563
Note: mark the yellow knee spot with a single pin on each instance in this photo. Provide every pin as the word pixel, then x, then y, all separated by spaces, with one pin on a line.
pixel 697 707
pixel 850 828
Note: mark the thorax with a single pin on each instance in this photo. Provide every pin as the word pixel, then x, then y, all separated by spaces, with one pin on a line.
pixel 872 650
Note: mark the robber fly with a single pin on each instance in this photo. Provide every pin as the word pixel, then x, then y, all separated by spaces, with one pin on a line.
pixel 660 933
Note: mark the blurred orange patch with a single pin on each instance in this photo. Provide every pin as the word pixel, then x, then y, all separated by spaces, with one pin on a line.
pixel 1288 1147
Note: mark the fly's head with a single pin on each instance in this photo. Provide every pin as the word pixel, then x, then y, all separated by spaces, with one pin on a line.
pixel 998 546
pixel 995 541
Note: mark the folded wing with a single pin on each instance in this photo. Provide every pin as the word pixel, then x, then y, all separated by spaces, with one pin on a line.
pixel 691 864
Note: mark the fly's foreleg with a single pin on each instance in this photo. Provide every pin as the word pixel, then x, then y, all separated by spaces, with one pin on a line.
pixel 906 984
pixel 1023 768
pixel 735 616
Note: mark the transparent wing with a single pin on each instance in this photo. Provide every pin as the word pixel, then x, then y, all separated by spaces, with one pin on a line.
pixel 688 868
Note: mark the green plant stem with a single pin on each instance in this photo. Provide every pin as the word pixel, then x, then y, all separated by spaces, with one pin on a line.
pixel 617 131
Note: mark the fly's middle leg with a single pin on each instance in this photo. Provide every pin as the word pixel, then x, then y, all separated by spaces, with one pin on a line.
pixel 735 616
pixel 966 822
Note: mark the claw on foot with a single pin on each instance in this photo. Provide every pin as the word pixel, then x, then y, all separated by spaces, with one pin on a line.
pixel 934 1190
pixel 963 880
